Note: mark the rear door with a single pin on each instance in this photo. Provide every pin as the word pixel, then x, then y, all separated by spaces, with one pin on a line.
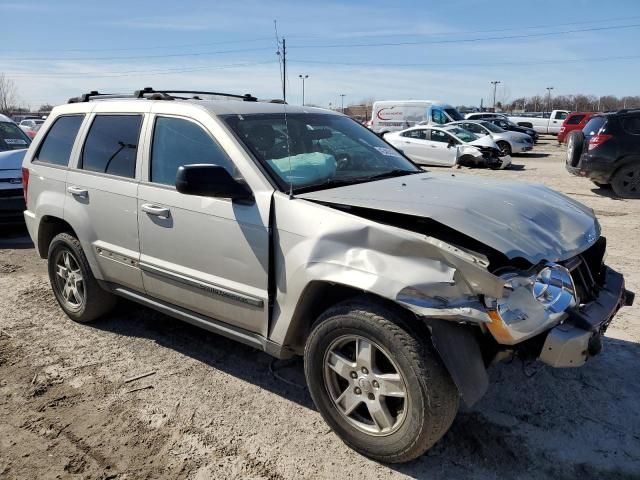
pixel 412 143
pixel 207 255
pixel 102 192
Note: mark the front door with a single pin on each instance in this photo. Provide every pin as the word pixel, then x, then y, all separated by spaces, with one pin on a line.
pixel 207 255
pixel 442 152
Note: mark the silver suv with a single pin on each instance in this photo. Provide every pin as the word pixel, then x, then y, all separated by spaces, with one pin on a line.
pixel 300 232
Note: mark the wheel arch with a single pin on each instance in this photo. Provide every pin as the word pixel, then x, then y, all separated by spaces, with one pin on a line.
pixel 49 227
pixel 456 344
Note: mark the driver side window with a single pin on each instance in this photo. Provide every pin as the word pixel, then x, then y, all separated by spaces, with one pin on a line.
pixel 438 136
pixel 438 116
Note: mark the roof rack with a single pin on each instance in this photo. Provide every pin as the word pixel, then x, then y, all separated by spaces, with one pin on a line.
pixel 85 97
pixel 627 110
pixel 151 94
pixel 247 97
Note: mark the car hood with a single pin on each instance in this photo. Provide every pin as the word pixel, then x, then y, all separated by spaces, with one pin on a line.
pixel 518 219
pixel 12 159
pixel 485 141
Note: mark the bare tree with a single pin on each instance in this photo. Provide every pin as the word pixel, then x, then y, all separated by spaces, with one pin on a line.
pixel 45 108
pixel 8 94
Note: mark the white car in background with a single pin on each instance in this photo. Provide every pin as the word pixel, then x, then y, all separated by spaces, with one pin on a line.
pixel 508 142
pixel 448 146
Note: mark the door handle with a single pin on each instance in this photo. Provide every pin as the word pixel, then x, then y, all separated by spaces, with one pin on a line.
pixel 155 210
pixel 77 191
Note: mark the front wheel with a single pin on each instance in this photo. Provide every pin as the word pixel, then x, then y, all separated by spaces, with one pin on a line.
pixel 505 148
pixel 379 385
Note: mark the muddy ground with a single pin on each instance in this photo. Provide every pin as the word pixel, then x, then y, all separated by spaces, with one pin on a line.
pixel 214 409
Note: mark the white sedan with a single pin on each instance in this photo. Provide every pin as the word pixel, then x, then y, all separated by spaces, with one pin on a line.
pixel 447 146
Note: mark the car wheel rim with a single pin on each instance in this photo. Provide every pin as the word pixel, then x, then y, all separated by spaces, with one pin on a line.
pixel 631 181
pixel 504 150
pixel 69 280
pixel 366 385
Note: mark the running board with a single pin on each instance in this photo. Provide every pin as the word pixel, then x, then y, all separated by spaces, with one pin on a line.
pixel 248 338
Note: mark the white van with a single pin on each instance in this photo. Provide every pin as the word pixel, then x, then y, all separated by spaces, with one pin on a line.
pixel 395 115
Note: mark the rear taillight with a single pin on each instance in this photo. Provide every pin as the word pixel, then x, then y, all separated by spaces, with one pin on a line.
pixel 598 140
pixel 25 182
pixel 562 128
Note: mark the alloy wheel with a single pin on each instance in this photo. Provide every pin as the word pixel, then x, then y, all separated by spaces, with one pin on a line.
pixel 366 385
pixel 69 281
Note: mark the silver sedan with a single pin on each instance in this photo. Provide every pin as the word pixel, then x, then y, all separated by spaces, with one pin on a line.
pixel 508 142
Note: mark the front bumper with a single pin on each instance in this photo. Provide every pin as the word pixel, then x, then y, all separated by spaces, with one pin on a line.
pixel 579 337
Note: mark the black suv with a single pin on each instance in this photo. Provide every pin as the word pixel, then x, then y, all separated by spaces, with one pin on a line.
pixel 607 151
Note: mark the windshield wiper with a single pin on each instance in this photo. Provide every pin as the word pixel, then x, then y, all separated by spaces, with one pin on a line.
pixel 398 172
pixel 328 183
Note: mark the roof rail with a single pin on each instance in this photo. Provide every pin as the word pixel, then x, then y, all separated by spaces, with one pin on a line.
pixel 86 97
pixel 627 110
pixel 247 97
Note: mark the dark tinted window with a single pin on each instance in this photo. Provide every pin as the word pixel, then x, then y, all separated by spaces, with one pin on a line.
pixel 473 127
pixel 575 119
pixel 631 124
pixel 12 137
pixel 57 145
pixel 593 126
pixel 438 136
pixel 112 144
pixel 179 142
pixel 438 116
pixel 420 134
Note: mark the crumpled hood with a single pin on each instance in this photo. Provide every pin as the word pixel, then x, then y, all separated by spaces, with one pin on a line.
pixel 517 219
pixel 12 159
pixel 485 141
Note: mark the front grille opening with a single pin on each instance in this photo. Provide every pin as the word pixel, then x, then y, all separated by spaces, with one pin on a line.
pixel 587 271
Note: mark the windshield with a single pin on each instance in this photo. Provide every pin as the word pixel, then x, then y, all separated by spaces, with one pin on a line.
pixel 454 114
pixel 462 134
pixel 491 127
pixel 12 137
pixel 309 151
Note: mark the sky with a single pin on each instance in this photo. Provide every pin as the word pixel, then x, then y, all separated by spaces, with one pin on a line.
pixel 447 50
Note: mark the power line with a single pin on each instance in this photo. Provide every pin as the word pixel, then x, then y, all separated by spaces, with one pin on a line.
pixel 465 40
pixel 136 57
pixel 458 64
pixel 130 73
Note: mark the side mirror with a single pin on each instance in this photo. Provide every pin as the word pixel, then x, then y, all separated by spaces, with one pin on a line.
pixel 210 181
pixel 452 143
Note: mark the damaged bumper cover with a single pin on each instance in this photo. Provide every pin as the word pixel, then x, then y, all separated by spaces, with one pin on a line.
pixel 579 337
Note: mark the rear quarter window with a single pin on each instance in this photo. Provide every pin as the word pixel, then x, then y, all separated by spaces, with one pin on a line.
pixel 574 119
pixel 593 126
pixel 56 146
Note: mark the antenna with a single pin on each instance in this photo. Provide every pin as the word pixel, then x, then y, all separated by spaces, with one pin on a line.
pixel 282 60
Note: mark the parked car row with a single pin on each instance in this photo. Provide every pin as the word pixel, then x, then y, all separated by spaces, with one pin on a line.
pixel 13 144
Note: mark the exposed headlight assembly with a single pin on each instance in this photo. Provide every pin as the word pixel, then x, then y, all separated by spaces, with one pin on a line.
pixel 530 304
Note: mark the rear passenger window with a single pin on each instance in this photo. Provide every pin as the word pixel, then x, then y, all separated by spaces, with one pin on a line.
pixel 112 145
pixel 57 145
pixel 575 119
pixel 177 142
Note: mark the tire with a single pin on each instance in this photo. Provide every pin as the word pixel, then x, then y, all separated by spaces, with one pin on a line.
pixel 416 420
pixel 626 181
pixel 575 143
pixel 68 271
pixel 505 148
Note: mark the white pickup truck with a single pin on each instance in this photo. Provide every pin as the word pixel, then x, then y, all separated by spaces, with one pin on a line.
pixel 541 122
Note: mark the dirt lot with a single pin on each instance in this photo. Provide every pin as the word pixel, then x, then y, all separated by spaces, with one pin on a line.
pixel 213 408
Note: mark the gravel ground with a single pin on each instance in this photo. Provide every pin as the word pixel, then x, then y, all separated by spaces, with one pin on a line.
pixel 214 409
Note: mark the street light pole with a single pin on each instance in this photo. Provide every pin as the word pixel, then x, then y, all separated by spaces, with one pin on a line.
pixel 549 99
pixel 342 95
pixel 495 84
pixel 303 79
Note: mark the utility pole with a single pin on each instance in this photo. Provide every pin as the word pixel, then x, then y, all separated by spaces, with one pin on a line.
pixel 495 84
pixel 549 98
pixel 303 79
pixel 284 69
pixel 342 95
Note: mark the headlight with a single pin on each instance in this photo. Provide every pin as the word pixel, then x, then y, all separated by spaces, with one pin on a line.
pixel 531 303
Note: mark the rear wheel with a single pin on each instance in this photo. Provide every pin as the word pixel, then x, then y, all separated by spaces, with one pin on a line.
pixel 73 284
pixel 626 181
pixel 378 385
